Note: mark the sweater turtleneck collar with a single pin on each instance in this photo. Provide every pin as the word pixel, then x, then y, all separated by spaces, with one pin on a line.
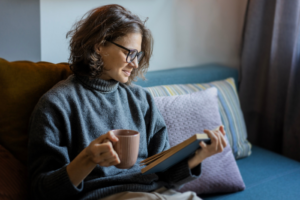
pixel 99 84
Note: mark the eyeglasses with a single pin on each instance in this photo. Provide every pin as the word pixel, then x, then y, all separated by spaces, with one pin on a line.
pixel 132 53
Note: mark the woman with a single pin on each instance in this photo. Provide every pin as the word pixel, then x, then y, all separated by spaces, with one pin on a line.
pixel 71 155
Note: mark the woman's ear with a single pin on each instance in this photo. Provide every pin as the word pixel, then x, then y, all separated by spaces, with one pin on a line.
pixel 97 48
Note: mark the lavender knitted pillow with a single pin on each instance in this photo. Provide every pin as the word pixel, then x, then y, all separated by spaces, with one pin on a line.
pixel 188 114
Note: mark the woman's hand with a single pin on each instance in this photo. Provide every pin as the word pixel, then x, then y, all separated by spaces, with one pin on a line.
pixel 101 151
pixel 217 145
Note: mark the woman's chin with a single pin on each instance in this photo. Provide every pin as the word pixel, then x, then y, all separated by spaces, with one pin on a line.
pixel 123 80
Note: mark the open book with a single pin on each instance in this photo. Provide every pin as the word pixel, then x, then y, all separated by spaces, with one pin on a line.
pixel 166 159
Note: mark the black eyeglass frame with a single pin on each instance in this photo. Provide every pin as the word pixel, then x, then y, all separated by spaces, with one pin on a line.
pixel 129 52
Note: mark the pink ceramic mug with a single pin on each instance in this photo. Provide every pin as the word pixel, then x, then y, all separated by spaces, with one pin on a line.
pixel 127 147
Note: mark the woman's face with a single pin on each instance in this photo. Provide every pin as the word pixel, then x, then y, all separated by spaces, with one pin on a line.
pixel 114 57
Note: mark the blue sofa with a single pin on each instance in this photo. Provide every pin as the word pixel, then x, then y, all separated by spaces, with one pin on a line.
pixel 267 175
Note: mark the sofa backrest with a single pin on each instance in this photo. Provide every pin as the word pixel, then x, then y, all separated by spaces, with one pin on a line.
pixel 184 75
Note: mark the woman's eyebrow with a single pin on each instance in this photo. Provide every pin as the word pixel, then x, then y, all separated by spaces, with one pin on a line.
pixel 132 48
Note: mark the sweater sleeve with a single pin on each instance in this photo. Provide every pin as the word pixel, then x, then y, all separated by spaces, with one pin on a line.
pixel 48 153
pixel 158 141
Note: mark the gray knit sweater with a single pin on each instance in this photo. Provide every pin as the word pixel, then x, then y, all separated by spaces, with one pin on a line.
pixel 74 113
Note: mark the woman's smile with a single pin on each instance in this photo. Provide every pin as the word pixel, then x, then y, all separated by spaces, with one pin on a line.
pixel 127 72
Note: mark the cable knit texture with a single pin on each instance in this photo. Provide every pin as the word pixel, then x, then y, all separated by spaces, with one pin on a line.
pixel 74 113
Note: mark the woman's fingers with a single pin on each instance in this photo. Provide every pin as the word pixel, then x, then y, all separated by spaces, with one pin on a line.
pixel 101 152
pixel 101 138
pixel 221 128
pixel 202 145
pixel 112 137
pixel 224 143
pixel 105 140
pixel 220 144
pixel 221 133
pixel 107 136
pixel 214 139
pixel 110 156
pixel 109 159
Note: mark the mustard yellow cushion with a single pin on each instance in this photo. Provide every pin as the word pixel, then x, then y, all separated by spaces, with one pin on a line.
pixel 13 177
pixel 22 83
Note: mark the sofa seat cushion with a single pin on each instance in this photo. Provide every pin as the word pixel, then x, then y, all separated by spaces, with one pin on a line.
pixel 267 175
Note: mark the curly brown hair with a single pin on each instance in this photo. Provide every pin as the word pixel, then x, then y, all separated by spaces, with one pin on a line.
pixel 102 24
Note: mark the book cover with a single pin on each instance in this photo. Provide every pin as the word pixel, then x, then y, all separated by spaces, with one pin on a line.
pixel 166 159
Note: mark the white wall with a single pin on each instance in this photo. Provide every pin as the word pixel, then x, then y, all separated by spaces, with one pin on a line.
pixel 186 32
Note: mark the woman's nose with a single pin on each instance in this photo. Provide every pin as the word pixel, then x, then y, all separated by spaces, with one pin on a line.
pixel 134 63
